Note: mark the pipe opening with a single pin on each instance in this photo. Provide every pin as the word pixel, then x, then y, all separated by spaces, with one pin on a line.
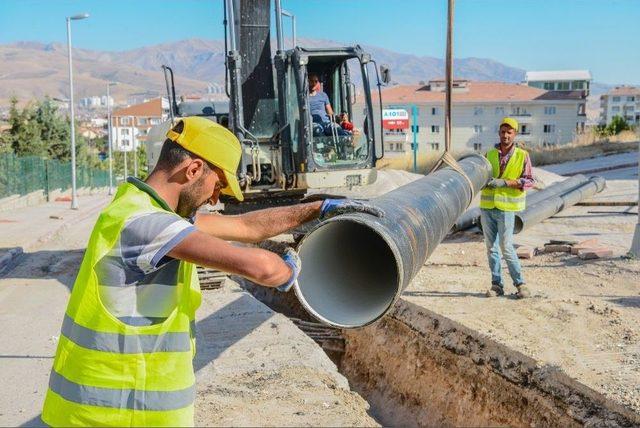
pixel 349 274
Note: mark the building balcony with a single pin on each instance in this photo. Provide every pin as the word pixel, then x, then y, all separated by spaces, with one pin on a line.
pixel 582 114
pixel 520 114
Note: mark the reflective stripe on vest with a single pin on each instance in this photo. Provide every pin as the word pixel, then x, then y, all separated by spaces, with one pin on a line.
pixel 133 399
pixel 125 344
pixel 109 373
pixel 505 198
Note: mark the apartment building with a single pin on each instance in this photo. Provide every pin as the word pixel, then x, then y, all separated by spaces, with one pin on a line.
pixel 130 125
pixel 560 80
pixel 621 101
pixel 547 118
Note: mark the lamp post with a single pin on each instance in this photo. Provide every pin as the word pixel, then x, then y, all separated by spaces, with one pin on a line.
pixel 74 195
pixel 109 137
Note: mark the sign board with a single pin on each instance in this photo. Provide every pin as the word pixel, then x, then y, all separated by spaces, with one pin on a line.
pixel 395 119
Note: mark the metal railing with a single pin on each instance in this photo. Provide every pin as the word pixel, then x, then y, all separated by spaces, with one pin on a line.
pixel 24 175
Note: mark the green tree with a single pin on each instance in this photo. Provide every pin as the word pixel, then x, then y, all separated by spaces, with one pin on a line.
pixel 617 125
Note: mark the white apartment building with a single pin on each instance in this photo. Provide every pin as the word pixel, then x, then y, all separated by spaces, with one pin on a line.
pixel 130 125
pixel 621 101
pixel 547 118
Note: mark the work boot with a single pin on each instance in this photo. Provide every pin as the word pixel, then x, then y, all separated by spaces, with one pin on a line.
pixel 495 291
pixel 523 292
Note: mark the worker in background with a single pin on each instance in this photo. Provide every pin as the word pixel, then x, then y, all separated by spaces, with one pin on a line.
pixel 503 196
pixel 127 342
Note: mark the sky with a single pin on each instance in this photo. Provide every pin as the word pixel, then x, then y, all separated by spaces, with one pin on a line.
pixel 599 35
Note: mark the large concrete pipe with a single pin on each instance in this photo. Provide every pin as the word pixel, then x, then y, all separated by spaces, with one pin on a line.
pixel 551 206
pixel 472 216
pixel 355 266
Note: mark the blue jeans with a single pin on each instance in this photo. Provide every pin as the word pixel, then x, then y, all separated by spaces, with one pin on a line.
pixel 497 227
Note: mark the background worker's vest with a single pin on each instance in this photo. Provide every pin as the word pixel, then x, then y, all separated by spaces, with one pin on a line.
pixel 505 198
pixel 109 373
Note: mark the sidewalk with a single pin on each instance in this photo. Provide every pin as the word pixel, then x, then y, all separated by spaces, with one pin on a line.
pixel 25 229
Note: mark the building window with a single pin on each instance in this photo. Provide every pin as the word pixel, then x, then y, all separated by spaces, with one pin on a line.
pixel 125 142
pixel 550 110
pixel 143 121
pixel 616 99
pixel 549 86
pixel 563 86
pixel 517 111
pixel 434 111
pixel 125 121
pixel 577 84
pixel 435 129
pixel 632 99
pixel 549 129
pixel 500 111
pixel 435 146
pixel 524 129
pixel 477 111
pixel 615 109
pixel 154 121
pixel 477 147
pixel 125 131
pixel 477 129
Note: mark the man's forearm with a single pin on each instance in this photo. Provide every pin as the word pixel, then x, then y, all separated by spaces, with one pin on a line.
pixel 270 222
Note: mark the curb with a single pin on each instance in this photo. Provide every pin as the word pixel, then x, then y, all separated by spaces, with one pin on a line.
pixel 9 259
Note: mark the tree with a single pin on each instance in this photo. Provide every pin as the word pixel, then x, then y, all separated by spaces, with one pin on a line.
pixel 617 125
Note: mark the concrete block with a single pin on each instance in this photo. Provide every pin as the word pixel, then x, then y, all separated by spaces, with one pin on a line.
pixel 589 243
pixel 525 252
pixel 557 248
pixel 594 253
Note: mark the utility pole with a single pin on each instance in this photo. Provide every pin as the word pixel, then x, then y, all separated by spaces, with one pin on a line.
pixel 135 146
pixel 635 243
pixel 109 138
pixel 74 191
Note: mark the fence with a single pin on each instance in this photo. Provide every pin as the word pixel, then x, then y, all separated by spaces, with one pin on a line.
pixel 23 175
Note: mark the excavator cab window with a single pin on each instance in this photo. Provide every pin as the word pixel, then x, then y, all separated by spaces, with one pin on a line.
pixel 337 127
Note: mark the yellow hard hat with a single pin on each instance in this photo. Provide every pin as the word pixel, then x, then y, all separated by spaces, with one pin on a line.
pixel 509 121
pixel 213 143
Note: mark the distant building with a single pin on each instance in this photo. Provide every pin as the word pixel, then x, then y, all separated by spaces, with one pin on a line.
pixel 130 125
pixel 547 118
pixel 621 101
pixel 95 102
pixel 562 80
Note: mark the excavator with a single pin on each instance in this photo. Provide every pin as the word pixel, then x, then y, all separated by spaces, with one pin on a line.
pixel 284 155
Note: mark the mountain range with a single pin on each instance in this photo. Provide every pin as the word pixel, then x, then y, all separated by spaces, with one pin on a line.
pixel 33 70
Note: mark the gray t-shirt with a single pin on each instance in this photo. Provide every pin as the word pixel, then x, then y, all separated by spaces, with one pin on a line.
pixel 137 280
pixel 317 105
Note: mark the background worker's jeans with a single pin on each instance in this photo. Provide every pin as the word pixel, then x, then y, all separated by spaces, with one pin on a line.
pixel 497 227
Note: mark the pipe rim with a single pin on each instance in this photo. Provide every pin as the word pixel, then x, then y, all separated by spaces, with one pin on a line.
pixel 375 227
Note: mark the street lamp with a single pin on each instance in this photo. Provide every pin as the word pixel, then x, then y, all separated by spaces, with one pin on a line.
pixel 109 137
pixel 74 195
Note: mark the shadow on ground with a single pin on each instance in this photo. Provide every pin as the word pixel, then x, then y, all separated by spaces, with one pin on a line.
pixel 61 265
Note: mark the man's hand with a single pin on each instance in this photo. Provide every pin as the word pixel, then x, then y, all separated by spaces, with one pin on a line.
pixel 497 182
pixel 292 260
pixel 333 207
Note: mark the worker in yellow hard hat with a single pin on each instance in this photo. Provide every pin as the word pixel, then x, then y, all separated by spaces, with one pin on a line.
pixel 504 195
pixel 125 351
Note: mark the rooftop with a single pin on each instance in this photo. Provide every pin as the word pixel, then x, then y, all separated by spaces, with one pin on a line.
pixel 560 75
pixel 149 108
pixel 624 90
pixel 476 92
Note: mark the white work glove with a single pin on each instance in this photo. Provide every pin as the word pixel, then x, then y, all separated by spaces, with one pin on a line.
pixel 497 182
pixel 291 259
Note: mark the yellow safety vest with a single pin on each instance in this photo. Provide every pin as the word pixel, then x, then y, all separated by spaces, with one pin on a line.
pixel 107 373
pixel 505 198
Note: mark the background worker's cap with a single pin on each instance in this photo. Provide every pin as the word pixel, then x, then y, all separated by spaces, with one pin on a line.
pixel 509 121
pixel 213 143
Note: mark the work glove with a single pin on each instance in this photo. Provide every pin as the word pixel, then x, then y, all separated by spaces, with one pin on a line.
pixel 292 260
pixel 497 182
pixel 333 207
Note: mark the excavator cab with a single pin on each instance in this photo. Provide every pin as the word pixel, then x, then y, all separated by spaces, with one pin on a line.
pixel 287 149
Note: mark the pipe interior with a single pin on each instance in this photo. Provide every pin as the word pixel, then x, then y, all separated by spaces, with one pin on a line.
pixel 349 274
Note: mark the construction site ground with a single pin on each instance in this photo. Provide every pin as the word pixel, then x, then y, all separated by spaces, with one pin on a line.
pixel 255 367
pixel 583 315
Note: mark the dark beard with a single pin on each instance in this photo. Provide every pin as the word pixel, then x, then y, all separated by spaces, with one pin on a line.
pixel 189 199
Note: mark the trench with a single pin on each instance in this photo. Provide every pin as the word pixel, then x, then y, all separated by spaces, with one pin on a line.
pixel 417 368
